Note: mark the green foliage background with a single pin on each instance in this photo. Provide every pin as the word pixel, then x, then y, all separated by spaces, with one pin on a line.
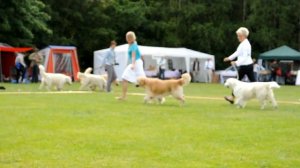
pixel 204 25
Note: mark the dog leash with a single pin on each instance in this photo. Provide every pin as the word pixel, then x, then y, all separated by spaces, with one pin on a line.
pixel 236 69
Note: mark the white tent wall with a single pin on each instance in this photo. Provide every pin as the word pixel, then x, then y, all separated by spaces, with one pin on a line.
pixel 121 59
pixel 44 53
pixel 182 58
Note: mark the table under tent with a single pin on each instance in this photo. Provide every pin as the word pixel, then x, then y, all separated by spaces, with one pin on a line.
pixel 289 62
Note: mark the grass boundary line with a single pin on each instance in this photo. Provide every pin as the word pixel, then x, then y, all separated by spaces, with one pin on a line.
pixel 47 92
pixel 218 98
pixel 133 94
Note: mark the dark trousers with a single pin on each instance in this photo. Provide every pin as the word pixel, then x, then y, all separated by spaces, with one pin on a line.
pixel 246 70
pixel 20 72
pixel 273 76
pixel 161 73
pixel 111 76
pixel 35 74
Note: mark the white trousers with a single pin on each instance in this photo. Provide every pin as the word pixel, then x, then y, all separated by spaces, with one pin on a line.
pixel 208 76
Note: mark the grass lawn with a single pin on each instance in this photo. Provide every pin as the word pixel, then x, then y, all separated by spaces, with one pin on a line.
pixel 95 130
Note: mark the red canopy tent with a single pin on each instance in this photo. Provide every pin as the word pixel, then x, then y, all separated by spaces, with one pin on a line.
pixel 7 59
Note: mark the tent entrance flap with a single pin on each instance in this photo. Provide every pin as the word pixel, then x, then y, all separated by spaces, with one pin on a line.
pixel 63 63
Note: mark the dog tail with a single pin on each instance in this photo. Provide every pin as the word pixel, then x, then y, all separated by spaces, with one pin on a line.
pixel 80 75
pixel 88 70
pixel 274 85
pixel 185 79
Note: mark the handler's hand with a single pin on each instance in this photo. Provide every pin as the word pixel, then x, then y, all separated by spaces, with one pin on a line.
pixel 226 59
pixel 233 63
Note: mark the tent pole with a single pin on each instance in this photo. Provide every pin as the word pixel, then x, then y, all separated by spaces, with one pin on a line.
pixel 1 78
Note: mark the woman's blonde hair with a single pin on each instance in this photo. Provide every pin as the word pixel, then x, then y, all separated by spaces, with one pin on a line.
pixel 131 34
pixel 244 31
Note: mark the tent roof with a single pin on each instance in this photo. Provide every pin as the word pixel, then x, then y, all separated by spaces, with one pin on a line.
pixel 62 47
pixel 7 48
pixel 163 51
pixel 14 49
pixel 281 53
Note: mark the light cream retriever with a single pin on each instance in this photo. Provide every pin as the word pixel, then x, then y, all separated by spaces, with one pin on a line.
pixel 91 81
pixel 244 91
pixel 56 80
pixel 159 89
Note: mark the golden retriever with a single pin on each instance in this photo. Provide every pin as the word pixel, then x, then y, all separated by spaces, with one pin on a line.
pixel 158 89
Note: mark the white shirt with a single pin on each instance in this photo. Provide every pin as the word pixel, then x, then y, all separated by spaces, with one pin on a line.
pixel 20 59
pixel 243 54
pixel 162 63
pixel 257 68
pixel 209 65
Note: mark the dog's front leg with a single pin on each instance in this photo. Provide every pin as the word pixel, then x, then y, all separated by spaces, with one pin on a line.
pixel 262 104
pixel 239 103
pixel 41 86
pixel 161 100
pixel 146 99
pixel 274 103
pixel 271 98
pixel 82 86
pixel 181 100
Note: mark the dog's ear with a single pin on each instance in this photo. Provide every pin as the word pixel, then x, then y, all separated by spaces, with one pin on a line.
pixel 141 81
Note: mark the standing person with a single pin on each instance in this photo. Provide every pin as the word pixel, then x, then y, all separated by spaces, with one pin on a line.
pixel 20 67
pixel 110 61
pixel 274 68
pixel 162 67
pixel 209 68
pixel 244 61
pixel 257 70
pixel 135 68
pixel 196 70
pixel 35 60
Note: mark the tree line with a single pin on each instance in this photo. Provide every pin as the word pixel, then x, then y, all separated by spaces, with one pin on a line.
pixel 204 25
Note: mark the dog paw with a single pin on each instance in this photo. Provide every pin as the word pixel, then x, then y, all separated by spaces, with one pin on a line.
pixel 238 106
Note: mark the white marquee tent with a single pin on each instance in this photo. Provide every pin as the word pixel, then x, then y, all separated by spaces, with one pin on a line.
pixel 182 58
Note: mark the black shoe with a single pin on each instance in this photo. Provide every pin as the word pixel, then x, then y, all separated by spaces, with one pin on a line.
pixel 2 88
pixel 228 99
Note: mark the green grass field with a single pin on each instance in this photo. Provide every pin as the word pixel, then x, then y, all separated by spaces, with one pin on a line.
pixel 95 130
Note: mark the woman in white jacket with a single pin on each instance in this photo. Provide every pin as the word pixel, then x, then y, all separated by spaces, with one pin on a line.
pixel 244 61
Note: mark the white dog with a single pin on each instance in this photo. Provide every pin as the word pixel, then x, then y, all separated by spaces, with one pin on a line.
pixel 91 81
pixel 53 79
pixel 244 91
